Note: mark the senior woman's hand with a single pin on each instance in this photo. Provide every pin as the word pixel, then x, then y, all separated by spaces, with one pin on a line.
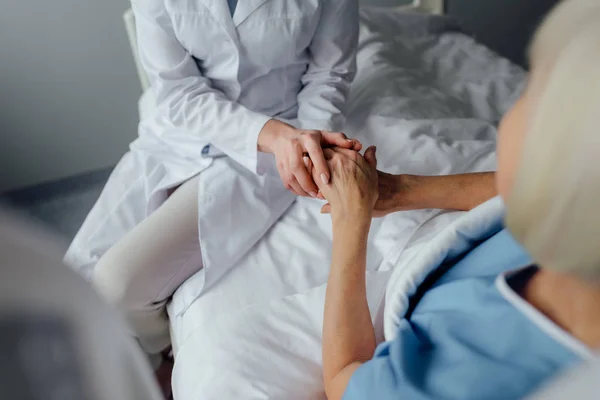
pixel 461 192
pixel 348 335
pixel 352 191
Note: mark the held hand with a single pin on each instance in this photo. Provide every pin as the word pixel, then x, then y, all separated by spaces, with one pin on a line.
pixel 396 193
pixel 290 145
pixel 353 190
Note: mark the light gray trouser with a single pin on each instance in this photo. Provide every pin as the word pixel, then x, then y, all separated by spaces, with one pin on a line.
pixel 140 272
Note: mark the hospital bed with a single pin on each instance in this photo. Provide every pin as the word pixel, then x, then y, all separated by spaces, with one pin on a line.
pixel 430 97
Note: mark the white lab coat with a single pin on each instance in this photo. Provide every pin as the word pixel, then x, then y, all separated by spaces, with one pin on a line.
pixel 217 80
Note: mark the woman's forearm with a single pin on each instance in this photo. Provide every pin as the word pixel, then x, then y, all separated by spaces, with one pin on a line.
pixel 461 192
pixel 348 335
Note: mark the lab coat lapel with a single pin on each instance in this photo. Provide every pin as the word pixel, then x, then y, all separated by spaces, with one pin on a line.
pixel 244 9
pixel 220 11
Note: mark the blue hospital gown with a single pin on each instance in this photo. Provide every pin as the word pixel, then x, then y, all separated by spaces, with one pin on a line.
pixel 470 336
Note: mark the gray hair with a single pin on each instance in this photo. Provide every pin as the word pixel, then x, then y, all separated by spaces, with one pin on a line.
pixel 554 206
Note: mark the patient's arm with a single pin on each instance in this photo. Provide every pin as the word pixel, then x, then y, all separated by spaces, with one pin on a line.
pixel 461 192
pixel 454 192
pixel 348 334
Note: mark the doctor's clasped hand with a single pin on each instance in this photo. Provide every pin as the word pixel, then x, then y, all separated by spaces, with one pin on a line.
pixel 290 146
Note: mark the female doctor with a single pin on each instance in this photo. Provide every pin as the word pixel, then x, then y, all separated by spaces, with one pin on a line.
pixel 246 94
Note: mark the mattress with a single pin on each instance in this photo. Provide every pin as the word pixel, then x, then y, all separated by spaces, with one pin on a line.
pixel 430 98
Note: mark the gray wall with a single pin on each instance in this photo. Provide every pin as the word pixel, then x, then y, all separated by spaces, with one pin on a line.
pixel 504 25
pixel 68 88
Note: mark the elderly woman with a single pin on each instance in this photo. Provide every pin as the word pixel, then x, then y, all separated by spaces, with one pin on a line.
pixel 522 303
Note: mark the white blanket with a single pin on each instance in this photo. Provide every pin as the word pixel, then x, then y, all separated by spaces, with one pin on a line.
pixel 438 241
pixel 429 97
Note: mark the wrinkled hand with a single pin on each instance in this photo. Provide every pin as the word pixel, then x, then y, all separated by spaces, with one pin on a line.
pixel 290 145
pixel 392 188
pixel 353 190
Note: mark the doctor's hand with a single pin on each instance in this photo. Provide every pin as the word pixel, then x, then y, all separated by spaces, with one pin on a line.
pixel 294 147
pixel 353 190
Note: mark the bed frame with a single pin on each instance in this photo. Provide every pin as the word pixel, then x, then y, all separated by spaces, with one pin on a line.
pixel 426 6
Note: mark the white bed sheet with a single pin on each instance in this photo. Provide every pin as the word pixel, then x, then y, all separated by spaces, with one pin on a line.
pixel 429 97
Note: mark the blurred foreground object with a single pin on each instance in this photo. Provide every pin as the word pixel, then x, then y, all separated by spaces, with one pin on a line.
pixel 582 383
pixel 58 341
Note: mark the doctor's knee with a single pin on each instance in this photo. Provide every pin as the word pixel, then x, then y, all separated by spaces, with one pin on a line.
pixel 114 278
